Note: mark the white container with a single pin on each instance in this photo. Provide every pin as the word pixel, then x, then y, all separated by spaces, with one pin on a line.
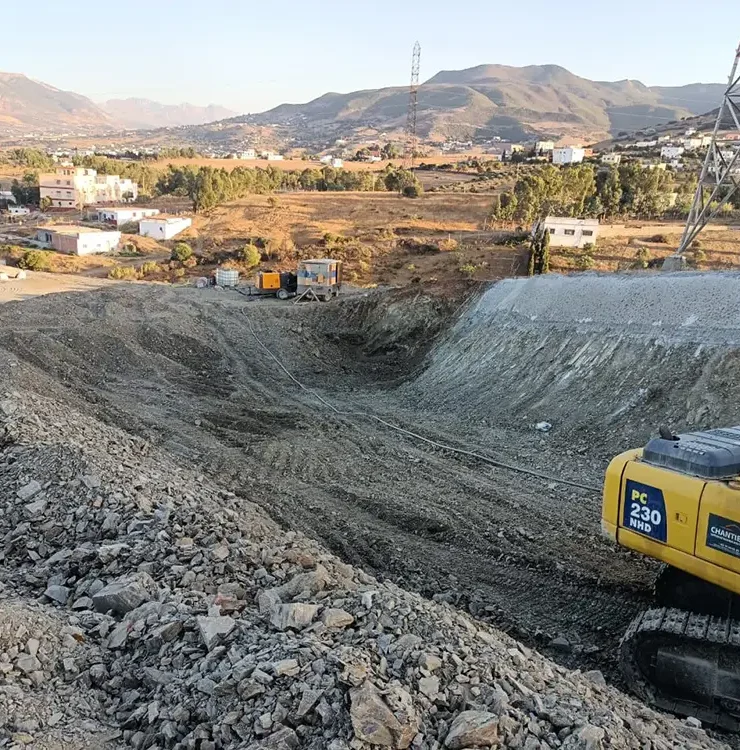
pixel 227 277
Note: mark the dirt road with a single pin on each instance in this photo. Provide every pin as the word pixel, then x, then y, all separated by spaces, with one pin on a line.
pixel 36 284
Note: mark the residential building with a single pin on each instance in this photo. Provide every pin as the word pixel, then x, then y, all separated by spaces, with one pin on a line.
pixel 543 147
pixel 68 187
pixel 646 144
pixel 119 216
pixel 14 210
pixel 613 159
pixel 110 188
pixel 671 153
pixel 72 187
pixel 565 232
pixel 272 156
pixel 337 163
pixel 68 238
pixel 691 144
pixel 164 228
pixel 568 155
pixel 326 159
pixel 664 138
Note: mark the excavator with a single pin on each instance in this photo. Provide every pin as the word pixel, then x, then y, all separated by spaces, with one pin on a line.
pixel 677 500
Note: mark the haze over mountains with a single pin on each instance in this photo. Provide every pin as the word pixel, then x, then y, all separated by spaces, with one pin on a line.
pixel 483 101
pixel 29 105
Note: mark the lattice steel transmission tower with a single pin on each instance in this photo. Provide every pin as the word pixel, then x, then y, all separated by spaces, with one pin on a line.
pixel 413 104
pixel 720 175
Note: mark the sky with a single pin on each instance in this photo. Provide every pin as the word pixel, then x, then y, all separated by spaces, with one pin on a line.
pixel 251 56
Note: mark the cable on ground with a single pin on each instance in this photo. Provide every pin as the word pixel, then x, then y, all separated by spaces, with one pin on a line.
pixel 409 433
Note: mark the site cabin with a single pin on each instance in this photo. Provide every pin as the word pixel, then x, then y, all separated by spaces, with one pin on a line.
pixel 164 228
pixel 74 240
pixel 566 232
pixel 319 278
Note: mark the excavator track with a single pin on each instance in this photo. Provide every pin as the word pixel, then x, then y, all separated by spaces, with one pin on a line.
pixel 685 663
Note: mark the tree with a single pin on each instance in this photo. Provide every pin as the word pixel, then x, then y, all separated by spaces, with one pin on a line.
pixel 609 187
pixel 35 260
pixel 46 203
pixel 181 251
pixel 391 151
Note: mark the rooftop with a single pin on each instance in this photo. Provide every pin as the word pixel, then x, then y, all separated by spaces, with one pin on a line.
pixel 566 220
pixel 70 229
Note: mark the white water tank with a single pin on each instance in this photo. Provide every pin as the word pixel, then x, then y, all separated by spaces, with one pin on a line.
pixel 227 277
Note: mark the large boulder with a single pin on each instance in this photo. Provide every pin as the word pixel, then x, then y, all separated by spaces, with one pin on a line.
pixel 387 720
pixel 125 594
pixel 472 729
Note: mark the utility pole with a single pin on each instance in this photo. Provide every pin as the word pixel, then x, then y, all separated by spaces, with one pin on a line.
pixel 720 175
pixel 411 140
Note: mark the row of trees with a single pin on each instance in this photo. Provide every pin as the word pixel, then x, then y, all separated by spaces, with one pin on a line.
pixel 208 187
pixel 581 190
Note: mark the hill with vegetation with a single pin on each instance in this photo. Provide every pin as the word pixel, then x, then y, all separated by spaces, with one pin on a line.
pixel 511 102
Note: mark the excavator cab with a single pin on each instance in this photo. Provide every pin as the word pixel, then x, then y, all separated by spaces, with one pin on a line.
pixel 677 500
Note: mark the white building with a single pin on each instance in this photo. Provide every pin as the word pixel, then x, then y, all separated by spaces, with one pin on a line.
pixel 568 155
pixel 566 232
pixel 67 238
pixel 272 156
pixel 18 210
pixel 326 159
pixel 646 144
pixel 337 163
pixel 671 153
pixel 119 216
pixel 164 228
pixel 543 147
pixel 247 154
pixel 613 159
pixel 691 144
pixel 71 187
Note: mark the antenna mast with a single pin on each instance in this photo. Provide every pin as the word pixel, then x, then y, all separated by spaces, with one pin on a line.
pixel 720 175
pixel 413 103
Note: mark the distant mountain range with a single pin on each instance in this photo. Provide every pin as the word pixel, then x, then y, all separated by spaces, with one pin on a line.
pixel 480 102
pixel 29 105
pixel 145 114
pixel 506 101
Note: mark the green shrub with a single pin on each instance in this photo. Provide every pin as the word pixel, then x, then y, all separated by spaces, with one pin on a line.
pixel 250 255
pixel 149 268
pixel 585 262
pixel 181 251
pixel 35 260
pixel 643 258
pixel 468 269
pixel 122 273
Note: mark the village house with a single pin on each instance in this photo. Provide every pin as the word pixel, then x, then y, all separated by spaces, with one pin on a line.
pixel 118 216
pixel 72 187
pixel 566 232
pixel 164 228
pixel 75 240
pixel 568 155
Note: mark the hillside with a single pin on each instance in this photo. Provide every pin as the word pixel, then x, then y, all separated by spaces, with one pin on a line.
pixel 507 101
pixel 28 105
pixel 144 113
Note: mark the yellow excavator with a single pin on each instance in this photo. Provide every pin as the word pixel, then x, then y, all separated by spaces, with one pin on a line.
pixel 677 500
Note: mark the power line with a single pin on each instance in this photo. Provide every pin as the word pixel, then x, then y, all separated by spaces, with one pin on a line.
pixel 413 106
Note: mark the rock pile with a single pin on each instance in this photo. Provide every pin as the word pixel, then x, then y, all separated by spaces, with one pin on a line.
pixel 143 606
